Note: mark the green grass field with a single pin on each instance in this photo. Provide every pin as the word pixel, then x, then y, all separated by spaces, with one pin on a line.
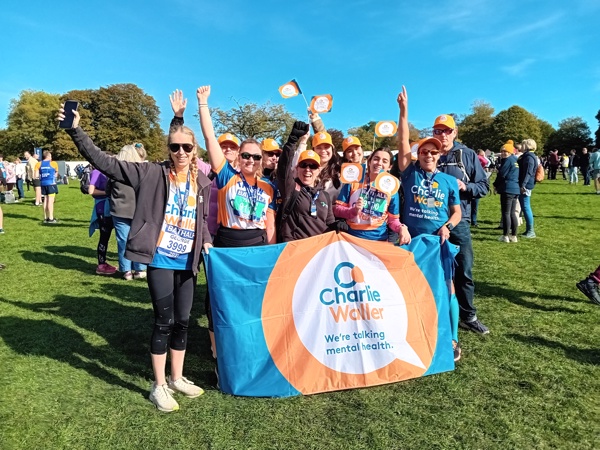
pixel 75 368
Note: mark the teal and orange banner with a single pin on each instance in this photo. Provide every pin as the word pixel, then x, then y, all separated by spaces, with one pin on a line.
pixel 328 313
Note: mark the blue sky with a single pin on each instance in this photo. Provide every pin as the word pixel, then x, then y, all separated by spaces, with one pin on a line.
pixel 541 55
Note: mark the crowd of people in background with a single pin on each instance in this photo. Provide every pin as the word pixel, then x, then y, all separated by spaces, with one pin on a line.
pixel 165 214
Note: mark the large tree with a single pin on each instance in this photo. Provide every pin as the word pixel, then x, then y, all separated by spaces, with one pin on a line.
pixel 514 123
pixel 572 133
pixel 475 129
pixel 31 122
pixel 250 120
pixel 546 130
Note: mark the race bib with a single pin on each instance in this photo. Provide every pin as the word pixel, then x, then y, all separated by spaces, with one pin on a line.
pixel 175 241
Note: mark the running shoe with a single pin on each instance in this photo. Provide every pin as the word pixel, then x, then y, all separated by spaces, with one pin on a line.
pixel 1 230
pixel 162 398
pixel 589 288
pixel 105 269
pixel 457 351
pixel 52 221
pixel 504 239
pixel 186 387
pixel 139 274
pixel 128 276
pixel 513 239
pixel 529 235
pixel 475 326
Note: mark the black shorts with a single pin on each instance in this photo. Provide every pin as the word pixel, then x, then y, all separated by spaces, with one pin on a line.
pixel 49 190
pixel 36 182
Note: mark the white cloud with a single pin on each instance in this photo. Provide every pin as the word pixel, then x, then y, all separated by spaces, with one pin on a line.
pixel 518 68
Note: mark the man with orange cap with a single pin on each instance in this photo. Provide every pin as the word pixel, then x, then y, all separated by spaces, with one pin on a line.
pixel 462 163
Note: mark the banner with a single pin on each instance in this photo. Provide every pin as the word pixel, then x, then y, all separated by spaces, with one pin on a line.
pixel 386 128
pixel 328 313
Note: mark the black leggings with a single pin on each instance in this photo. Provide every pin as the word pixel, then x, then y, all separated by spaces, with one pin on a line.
pixel 172 293
pixel 106 226
pixel 228 238
pixel 508 203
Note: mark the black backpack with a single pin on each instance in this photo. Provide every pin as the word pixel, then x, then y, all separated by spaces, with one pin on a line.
pixel 84 181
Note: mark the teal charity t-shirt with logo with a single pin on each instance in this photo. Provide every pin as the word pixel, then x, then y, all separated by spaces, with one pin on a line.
pixel 427 199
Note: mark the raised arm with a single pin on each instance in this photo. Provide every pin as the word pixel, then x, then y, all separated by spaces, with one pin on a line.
pixel 215 154
pixel 403 138
pixel 285 175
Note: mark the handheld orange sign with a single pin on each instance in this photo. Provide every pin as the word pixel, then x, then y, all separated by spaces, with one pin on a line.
pixel 387 183
pixel 351 173
pixel 320 104
pixel 386 128
pixel 290 89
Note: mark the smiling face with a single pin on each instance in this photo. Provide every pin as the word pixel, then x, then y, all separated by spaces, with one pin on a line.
pixel 181 159
pixel 308 171
pixel 270 159
pixel 249 166
pixel 354 154
pixel 230 150
pixel 325 152
pixel 428 157
pixel 379 161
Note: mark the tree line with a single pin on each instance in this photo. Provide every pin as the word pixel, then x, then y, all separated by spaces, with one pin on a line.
pixel 122 113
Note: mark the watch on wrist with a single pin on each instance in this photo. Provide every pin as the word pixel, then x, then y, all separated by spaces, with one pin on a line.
pixel 449 226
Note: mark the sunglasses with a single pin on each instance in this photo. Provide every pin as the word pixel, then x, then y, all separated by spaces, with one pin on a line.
pixel 247 155
pixel 271 154
pixel 440 131
pixel 429 152
pixel 311 166
pixel 186 147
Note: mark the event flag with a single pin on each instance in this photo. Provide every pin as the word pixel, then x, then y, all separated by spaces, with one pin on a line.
pixel 320 104
pixel 290 89
pixel 329 312
pixel 386 128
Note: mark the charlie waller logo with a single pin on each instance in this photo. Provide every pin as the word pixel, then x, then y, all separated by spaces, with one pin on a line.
pixel 351 302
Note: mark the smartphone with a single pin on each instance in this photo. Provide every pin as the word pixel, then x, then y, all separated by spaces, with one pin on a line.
pixel 70 105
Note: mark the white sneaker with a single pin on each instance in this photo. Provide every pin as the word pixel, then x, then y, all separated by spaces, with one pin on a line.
pixel 162 398
pixel 513 239
pixel 186 387
pixel 503 239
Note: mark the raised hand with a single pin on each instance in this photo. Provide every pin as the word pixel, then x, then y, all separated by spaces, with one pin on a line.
pixel 178 103
pixel 202 93
pixel 403 98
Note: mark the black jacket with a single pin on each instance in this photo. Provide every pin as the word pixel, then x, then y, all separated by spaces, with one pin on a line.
pixel 300 224
pixel 151 184
pixel 527 167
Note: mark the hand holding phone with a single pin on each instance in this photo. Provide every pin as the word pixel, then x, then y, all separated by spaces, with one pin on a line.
pixel 67 122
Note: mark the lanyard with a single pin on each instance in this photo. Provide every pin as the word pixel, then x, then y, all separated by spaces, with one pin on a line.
pixel 313 204
pixel 182 199
pixel 252 193
pixel 368 198
pixel 430 180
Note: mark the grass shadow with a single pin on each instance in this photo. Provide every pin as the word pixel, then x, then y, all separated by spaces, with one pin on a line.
pixel 60 261
pixel 519 298
pixel 584 356
pixel 52 340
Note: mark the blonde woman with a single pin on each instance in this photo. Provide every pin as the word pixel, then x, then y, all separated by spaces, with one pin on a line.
pixel 168 232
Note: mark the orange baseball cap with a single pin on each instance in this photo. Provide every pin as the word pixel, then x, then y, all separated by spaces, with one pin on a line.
pixel 321 138
pixel 309 155
pixel 228 137
pixel 270 145
pixel 445 120
pixel 349 141
pixel 432 140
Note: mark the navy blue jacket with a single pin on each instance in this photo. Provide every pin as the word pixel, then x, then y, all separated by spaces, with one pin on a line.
pixel 527 166
pixel 507 180
pixel 471 173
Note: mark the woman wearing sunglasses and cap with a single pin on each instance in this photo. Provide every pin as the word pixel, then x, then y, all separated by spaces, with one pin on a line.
pixel 431 198
pixel 306 209
pixel 168 232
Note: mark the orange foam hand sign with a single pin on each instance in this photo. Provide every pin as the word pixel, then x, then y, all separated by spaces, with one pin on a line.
pixel 386 128
pixel 320 104
pixel 290 89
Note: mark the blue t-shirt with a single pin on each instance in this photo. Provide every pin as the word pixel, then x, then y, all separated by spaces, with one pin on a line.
pixel 48 171
pixel 418 187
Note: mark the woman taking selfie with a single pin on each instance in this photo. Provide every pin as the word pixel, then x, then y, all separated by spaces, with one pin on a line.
pixel 168 232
